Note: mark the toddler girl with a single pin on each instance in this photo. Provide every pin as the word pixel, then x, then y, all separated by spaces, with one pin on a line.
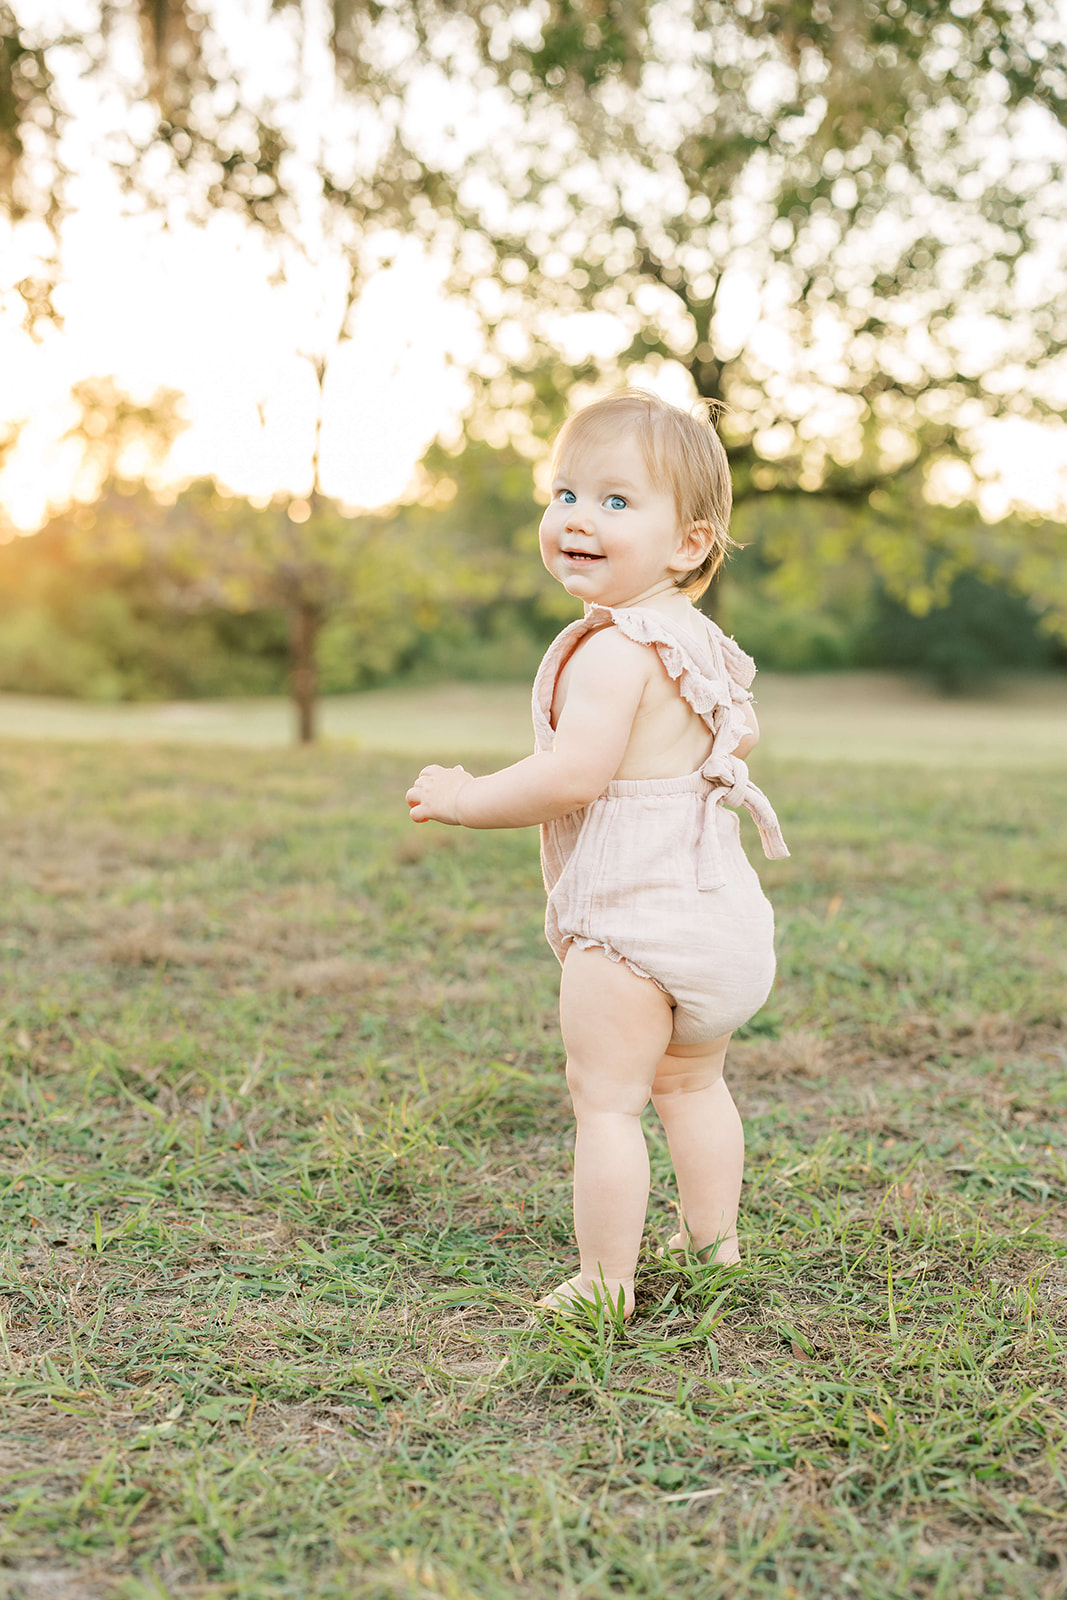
pixel 642 718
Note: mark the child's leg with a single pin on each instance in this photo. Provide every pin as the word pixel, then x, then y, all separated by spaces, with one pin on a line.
pixel 707 1145
pixel 615 1027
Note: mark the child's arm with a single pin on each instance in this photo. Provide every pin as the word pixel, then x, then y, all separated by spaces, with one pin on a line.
pixel 751 739
pixel 608 675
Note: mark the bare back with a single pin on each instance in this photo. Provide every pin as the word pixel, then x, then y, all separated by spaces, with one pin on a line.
pixel 668 738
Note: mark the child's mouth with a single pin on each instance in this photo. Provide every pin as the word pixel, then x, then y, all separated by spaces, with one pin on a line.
pixel 581 555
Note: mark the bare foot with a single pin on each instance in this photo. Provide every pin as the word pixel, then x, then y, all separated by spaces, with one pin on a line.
pixel 570 1296
pixel 725 1253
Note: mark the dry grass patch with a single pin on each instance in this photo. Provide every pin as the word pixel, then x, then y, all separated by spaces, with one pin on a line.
pixel 796 1053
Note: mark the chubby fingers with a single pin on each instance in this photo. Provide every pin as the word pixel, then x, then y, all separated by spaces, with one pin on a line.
pixel 414 798
pixel 417 796
pixel 432 795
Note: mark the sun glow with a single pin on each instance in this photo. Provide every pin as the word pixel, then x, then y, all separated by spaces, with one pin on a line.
pixel 195 309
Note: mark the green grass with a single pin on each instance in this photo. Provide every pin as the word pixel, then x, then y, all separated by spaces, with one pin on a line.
pixel 285 1158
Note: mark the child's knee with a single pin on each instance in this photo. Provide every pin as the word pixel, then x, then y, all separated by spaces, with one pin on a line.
pixel 593 1089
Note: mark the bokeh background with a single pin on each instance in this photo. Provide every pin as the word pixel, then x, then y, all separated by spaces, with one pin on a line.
pixel 292 300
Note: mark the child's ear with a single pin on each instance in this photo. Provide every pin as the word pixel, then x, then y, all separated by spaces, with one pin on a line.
pixel 693 548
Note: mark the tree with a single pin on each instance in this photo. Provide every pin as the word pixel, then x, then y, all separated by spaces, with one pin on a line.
pixel 310 124
pixel 335 183
pixel 845 221
pixel 204 548
pixel 850 168
pixel 373 587
pixel 305 558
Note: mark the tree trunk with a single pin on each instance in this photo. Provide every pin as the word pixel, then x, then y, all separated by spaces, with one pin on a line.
pixel 305 621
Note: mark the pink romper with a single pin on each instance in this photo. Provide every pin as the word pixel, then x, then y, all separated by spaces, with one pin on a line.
pixel 653 872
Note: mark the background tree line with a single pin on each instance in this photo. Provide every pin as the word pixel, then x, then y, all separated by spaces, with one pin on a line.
pixel 114 601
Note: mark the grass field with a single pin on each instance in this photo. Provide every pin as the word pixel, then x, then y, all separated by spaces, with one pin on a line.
pixel 833 716
pixel 285 1159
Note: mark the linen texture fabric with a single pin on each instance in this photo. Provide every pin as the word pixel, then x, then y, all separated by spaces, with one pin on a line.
pixel 653 871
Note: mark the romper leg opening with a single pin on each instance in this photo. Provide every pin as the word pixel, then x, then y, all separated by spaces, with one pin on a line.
pixel 583 941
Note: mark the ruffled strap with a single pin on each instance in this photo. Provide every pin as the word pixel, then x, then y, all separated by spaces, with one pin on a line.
pixel 728 773
pixel 544 686
pixel 719 696
pixel 739 665
pixel 703 682
pixel 701 675
pixel 715 683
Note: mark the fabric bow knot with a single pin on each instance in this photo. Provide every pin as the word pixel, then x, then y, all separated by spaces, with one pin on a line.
pixel 732 786
pixel 732 773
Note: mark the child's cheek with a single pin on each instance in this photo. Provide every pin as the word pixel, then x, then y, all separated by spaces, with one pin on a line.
pixel 547 538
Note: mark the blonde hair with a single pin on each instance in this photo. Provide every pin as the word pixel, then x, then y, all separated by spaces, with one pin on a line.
pixel 683 454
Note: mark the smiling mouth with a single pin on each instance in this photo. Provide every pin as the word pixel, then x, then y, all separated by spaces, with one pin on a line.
pixel 581 555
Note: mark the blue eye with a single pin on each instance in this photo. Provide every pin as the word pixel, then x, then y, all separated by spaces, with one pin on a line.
pixel 617 502
pixel 568 496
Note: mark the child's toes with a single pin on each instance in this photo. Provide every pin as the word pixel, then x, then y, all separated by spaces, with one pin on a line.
pixel 573 1297
pixel 567 1297
pixel 570 1298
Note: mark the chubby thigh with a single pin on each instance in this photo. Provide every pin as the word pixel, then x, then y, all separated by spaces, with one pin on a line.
pixel 618 1032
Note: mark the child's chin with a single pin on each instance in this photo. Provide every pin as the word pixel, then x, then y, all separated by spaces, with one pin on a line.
pixel 582 592
pixel 580 582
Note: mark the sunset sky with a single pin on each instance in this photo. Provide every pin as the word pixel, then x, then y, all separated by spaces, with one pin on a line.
pixel 194 310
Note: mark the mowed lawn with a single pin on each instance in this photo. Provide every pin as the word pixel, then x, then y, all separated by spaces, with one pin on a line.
pixel 286 1153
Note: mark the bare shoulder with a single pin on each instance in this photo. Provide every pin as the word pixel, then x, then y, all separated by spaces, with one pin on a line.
pixel 606 673
pixel 607 651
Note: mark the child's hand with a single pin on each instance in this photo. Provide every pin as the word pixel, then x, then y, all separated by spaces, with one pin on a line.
pixel 432 797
